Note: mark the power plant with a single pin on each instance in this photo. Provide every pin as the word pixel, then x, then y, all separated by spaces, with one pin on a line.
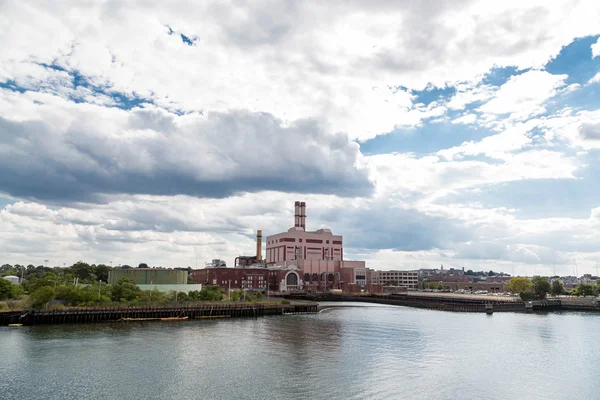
pixel 295 260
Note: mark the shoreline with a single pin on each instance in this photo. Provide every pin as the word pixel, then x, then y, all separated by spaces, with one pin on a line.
pixel 153 313
pixel 303 304
pixel 487 305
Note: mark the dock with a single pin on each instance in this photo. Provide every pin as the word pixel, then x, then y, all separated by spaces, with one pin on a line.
pixel 76 315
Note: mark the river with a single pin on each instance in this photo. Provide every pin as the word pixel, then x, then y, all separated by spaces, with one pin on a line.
pixel 366 352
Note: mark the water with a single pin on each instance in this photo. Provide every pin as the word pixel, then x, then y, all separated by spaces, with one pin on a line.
pixel 370 352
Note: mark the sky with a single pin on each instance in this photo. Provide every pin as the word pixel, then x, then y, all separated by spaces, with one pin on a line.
pixel 462 133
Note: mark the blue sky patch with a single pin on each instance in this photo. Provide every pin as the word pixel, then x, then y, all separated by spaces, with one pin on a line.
pixel 576 61
pixel 431 94
pixel 186 40
pixel 122 100
pixel 500 75
pixel 427 139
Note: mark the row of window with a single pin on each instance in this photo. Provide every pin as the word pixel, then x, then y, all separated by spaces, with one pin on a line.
pixel 300 240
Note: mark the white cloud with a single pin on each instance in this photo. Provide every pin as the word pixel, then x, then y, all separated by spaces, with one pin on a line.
pixel 290 60
pixel 595 78
pixel 523 96
pixel 465 119
pixel 596 49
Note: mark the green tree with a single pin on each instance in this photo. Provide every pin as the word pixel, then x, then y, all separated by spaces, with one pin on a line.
pixel 518 285
pixel 16 291
pixel 143 265
pixel 101 272
pixel 208 293
pixel 83 271
pixel 125 289
pixel 42 296
pixel 585 289
pixel 557 288
pixel 541 287
pixel 5 289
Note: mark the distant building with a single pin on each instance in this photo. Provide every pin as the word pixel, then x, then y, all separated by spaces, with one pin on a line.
pixel 149 276
pixel 408 279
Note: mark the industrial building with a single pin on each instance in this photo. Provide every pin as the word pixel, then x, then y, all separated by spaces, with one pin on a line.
pixel 295 260
pixel 150 276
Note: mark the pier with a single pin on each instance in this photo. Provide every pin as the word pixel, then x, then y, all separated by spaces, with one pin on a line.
pixel 74 315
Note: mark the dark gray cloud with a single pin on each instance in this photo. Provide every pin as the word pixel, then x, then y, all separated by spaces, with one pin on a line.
pixel 146 152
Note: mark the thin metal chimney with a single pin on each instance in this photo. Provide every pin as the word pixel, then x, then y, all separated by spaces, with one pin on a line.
pixel 259 245
pixel 303 215
pixel 297 214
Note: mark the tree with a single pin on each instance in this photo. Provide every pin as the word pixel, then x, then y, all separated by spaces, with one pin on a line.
pixel 101 272
pixel 16 291
pixel 83 271
pixel 208 292
pixel 5 289
pixel 469 272
pixel 143 265
pixel 540 286
pixel 518 285
pixel 585 289
pixel 491 273
pixel 557 288
pixel 42 296
pixel 125 290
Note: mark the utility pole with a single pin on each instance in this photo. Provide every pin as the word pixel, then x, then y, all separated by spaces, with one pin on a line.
pixel 99 286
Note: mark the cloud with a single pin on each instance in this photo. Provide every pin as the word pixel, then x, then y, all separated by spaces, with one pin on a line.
pixel 288 59
pixel 590 131
pixel 596 49
pixel 150 151
pixel 524 95
pixel 465 119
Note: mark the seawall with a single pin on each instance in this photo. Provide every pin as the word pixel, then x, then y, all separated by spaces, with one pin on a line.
pixel 111 314
pixel 467 304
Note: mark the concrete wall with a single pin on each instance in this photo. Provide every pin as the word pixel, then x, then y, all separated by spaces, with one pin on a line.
pixel 147 276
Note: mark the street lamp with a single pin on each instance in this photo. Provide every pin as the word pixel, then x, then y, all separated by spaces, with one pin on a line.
pixel 51 280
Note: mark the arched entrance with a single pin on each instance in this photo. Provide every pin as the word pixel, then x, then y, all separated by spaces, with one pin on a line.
pixel 291 279
pixel 291 282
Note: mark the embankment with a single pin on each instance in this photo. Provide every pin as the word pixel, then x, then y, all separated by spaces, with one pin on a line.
pixel 192 311
pixel 452 302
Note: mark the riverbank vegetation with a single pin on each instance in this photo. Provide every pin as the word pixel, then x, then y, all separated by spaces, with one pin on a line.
pixel 538 287
pixel 86 285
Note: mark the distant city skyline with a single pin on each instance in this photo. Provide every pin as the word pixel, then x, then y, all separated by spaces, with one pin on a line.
pixel 458 133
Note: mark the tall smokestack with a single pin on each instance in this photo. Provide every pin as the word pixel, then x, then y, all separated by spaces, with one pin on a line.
pixel 297 214
pixel 303 215
pixel 259 245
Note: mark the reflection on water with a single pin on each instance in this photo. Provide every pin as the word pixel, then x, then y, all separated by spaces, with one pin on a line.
pixel 375 352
